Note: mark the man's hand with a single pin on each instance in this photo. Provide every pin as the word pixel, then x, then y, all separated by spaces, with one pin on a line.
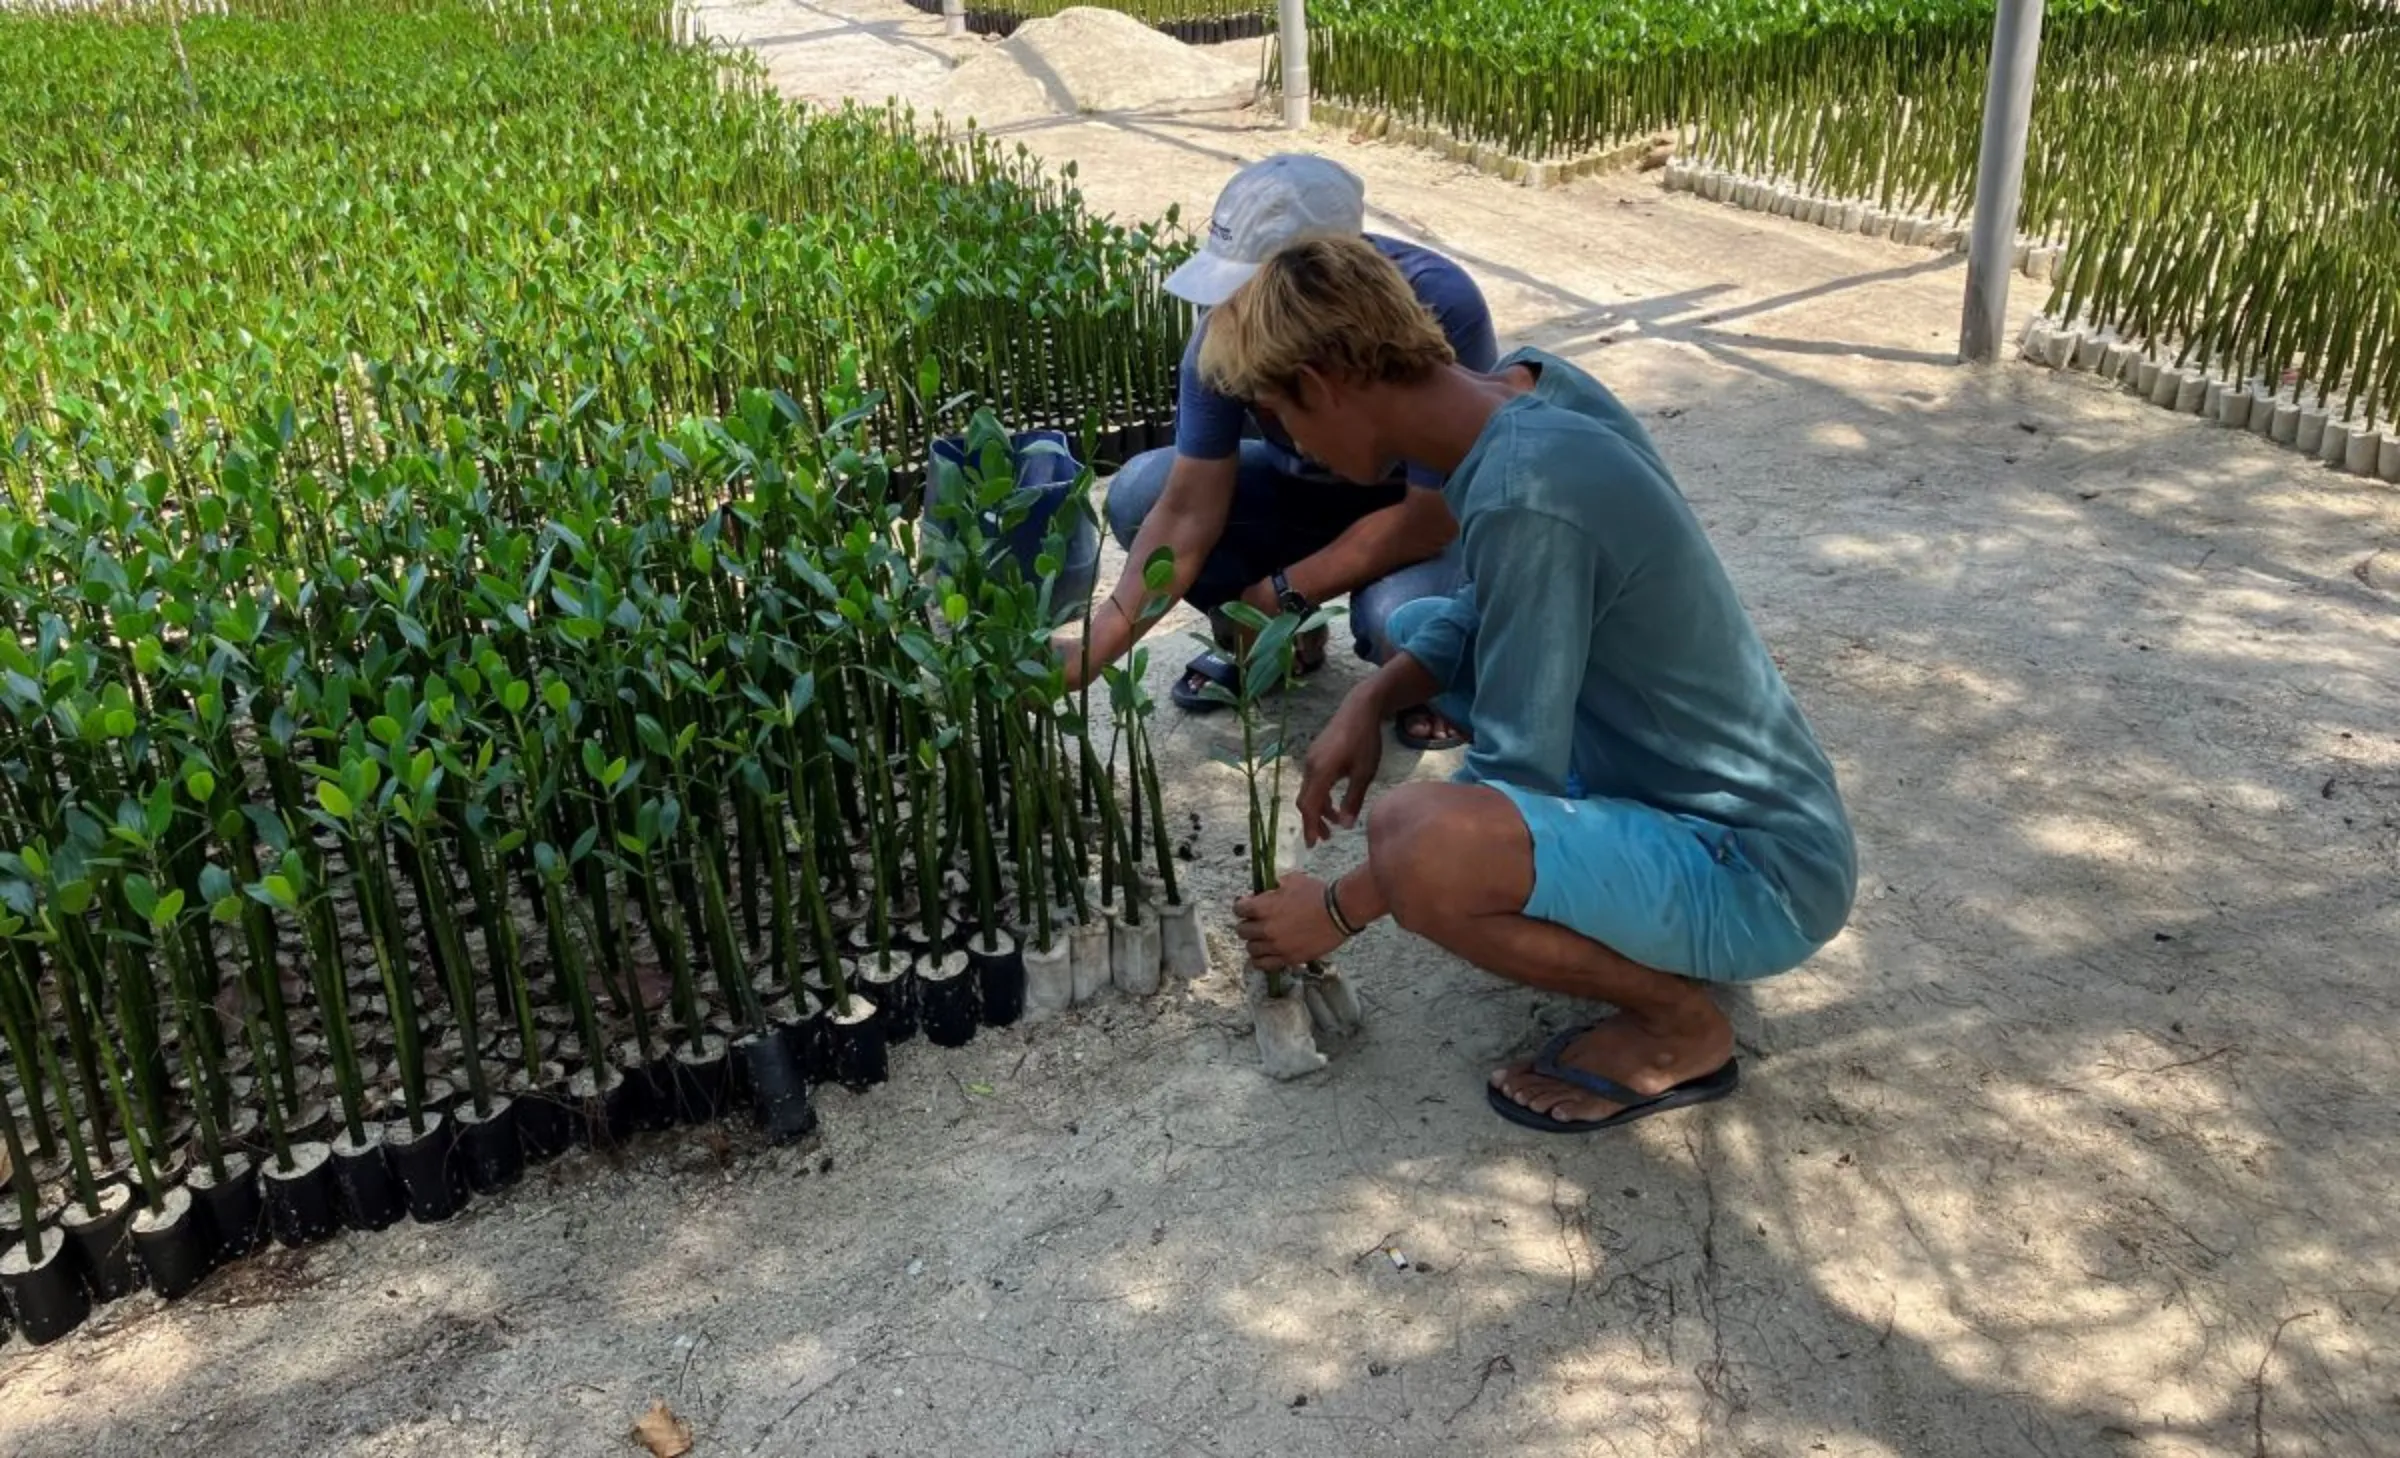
pixel 1347 751
pixel 1067 643
pixel 1289 926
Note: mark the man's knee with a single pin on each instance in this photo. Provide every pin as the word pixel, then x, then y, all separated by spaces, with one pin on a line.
pixel 1384 613
pixel 1134 490
pixel 1404 847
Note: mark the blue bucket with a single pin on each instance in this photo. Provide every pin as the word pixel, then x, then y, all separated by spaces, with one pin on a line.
pixel 1051 474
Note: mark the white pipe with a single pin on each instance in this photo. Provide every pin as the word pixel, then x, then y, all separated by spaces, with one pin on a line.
pixel 1292 42
pixel 2000 177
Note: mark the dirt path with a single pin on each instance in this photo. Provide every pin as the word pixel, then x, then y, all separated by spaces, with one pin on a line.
pixel 2081 1140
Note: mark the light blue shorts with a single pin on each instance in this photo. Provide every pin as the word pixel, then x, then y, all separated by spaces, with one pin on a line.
pixel 1671 892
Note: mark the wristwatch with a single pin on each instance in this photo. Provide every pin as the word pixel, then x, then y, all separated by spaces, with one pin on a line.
pixel 1287 597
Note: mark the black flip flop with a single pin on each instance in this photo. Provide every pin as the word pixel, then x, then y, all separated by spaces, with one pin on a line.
pixel 1223 672
pixel 1208 668
pixel 1426 743
pixel 1707 1088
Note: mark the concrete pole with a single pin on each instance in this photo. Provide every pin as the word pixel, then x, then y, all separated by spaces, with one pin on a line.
pixel 1292 23
pixel 954 18
pixel 2000 178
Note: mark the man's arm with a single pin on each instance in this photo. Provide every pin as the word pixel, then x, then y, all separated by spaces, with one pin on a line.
pixel 1543 589
pixel 1188 520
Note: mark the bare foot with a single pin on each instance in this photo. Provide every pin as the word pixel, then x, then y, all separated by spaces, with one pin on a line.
pixel 1649 1057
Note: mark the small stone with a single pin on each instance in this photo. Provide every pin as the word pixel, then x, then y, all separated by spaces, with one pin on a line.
pixel 916 1267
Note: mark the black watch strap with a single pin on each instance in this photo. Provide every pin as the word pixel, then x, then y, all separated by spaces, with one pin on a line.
pixel 1286 597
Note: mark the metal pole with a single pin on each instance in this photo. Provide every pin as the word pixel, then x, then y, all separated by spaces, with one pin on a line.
pixel 1292 45
pixel 2000 178
pixel 954 18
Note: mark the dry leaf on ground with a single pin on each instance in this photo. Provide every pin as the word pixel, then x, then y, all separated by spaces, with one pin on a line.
pixel 663 1433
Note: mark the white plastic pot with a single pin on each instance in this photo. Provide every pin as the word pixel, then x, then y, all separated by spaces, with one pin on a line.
pixel 2191 391
pixel 1133 955
pixel 2335 446
pixel 1087 957
pixel 2387 456
pixel 1287 1044
pixel 2359 458
pixel 1049 977
pixel 2144 376
pixel 2063 345
pixel 2283 420
pixel 2233 404
pixel 1182 949
pixel 2309 436
pixel 2166 386
pixel 2090 350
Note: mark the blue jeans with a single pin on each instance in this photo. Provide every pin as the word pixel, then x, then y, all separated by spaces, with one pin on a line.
pixel 1276 520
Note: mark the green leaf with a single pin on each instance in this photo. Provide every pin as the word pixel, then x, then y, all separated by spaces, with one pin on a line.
pixel 169 907
pixel 517 696
pixel 335 799
pixel 201 785
pixel 386 729
pixel 141 895
pixel 1250 619
pixel 1158 572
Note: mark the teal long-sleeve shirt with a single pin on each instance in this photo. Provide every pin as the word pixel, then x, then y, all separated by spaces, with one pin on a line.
pixel 1601 643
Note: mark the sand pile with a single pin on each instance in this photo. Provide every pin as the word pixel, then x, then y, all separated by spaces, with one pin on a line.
pixel 1085 59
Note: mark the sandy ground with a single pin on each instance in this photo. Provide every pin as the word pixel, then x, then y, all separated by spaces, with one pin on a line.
pixel 2079 1141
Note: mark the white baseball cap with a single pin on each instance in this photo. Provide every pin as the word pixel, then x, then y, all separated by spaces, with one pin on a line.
pixel 1271 203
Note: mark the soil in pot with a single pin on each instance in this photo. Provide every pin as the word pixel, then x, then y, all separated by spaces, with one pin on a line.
pixel 174 1245
pixel 371 1195
pixel 433 1179
pixel 999 977
pixel 1049 979
pixel 237 1211
pixel 1087 956
pixel 1133 955
pixel 103 1243
pixel 1182 951
pixel 48 1296
pixel 488 1145
pixel 649 1100
pixel 894 988
pixel 702 1079
pixel 947 1001
pixel 778 1091
pixel 303 1201
pixel 602 1098
pixel 545 1119
pixel 860 1056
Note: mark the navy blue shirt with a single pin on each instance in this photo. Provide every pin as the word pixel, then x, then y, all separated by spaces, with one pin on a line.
pixel 1208 425
pixel 1606 652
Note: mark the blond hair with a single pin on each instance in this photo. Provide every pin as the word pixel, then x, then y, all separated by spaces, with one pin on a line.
pixel 1335 305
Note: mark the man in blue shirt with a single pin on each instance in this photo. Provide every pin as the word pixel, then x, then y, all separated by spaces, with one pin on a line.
pixel 1645 810
pixel 1251 518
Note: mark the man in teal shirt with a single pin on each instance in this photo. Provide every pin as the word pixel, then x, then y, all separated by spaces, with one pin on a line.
pixel 1645 810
